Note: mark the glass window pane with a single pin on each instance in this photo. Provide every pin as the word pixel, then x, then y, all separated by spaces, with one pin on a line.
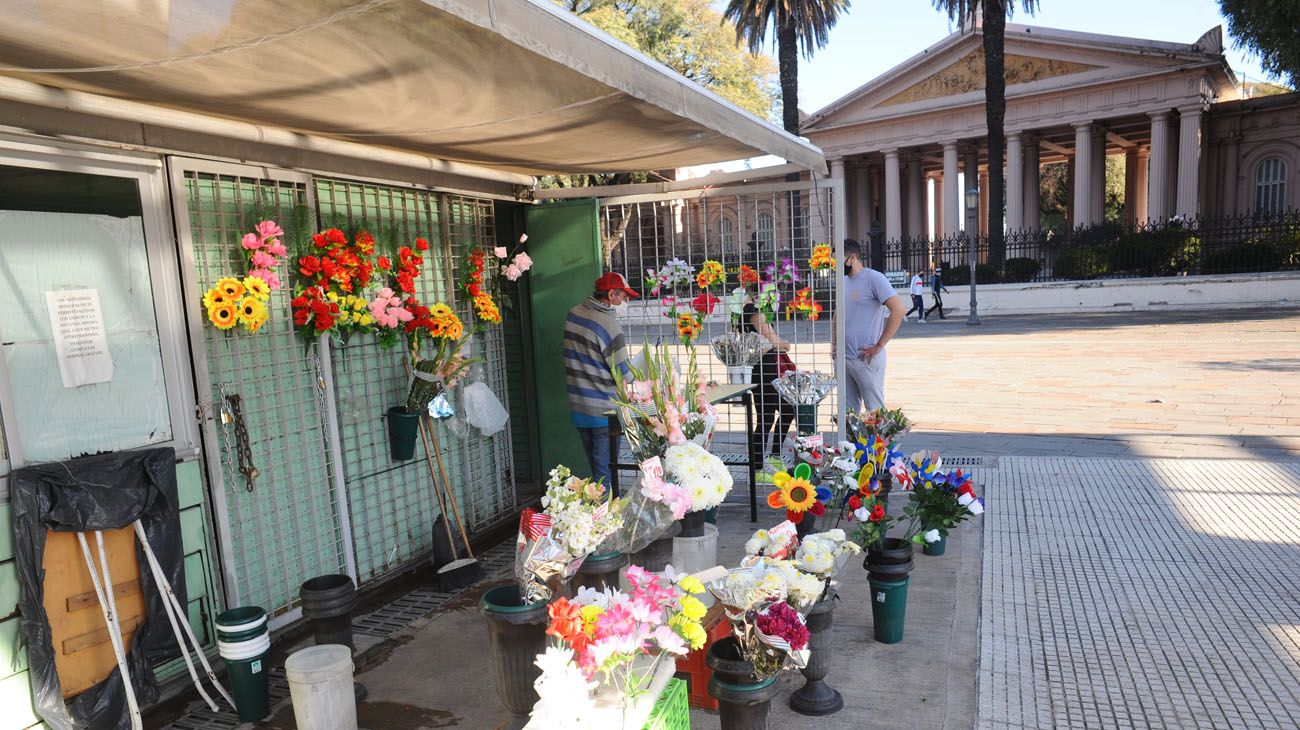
pixel 60 232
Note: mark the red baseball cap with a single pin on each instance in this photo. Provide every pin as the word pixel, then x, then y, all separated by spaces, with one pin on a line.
pixel 614 281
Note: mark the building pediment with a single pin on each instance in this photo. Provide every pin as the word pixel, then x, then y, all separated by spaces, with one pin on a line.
pixel 951 72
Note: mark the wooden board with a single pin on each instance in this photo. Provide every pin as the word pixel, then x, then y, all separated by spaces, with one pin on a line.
pixel 83 654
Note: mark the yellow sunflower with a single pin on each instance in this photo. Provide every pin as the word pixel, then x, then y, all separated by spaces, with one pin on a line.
pixel 257 287
pixel 252 313
pixel 798 494
pixel 213 297
pixel 223 315
pixel 454 329
pixel 440 311
pixel 231 287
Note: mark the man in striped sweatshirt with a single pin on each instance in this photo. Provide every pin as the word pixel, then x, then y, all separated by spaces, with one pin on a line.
pixel 593 347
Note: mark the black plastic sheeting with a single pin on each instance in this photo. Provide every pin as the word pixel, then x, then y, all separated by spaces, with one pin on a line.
pixel 103 492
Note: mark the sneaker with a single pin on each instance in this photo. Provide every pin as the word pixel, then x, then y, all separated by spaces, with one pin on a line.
pixel 922 321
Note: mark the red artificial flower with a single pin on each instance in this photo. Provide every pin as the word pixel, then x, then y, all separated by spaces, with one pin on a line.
pixel 795 517
pixel 308 265
pixel 365 242
pixel 817 509
pixel 877 513
pixel 384 263
pixel 421 244
pixel 855 502
pixel 705 303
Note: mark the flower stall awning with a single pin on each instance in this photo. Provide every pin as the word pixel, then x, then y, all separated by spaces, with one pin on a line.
pixel 515 85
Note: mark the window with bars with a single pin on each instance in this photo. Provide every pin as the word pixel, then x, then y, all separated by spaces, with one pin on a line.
pixel 727 232
pixel 1270 186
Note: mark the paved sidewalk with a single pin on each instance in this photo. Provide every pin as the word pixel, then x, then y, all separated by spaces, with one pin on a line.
pixel 1140 594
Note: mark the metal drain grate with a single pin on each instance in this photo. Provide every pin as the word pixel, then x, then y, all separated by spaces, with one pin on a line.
pixel 971 462
pixel 399 614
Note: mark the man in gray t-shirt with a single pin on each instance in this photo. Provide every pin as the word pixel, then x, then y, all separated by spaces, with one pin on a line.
pixel 867 295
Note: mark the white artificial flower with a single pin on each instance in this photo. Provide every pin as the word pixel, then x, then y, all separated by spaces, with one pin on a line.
pixel 861 514
pixel 564 695
pixel 965 499
pixel 931 536
pixel 756 544
pixel 976 507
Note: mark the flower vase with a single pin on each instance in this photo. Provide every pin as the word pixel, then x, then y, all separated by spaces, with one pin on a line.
pixel 889 566
pixel 936 548
pixel 816 698
pixel 740 374
pixel 599 571
pixel 886 486
pixel 403 428
pixel 517 632
pixel 743 701
pixel 692 524
pixel 890 561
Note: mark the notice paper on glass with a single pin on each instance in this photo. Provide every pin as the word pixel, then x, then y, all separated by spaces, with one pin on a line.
pixel 80 342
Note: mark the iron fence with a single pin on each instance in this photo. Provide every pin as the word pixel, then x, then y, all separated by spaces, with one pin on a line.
pixel 1179 247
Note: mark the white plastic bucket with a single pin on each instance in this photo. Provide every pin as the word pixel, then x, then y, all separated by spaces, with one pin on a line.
pixel 244 649
pixel 740 374
pixel 693 554
pixel 320 683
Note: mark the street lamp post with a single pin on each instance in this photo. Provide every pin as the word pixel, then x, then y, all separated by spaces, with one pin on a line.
pixel 972 203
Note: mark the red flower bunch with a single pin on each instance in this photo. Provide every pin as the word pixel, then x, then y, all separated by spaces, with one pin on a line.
pixel 339 263
pixel 311 310
pixel 748 275
pixel 783 622
pixel 474 279
pixel 804 303
pixel 408 265
pixel 485 307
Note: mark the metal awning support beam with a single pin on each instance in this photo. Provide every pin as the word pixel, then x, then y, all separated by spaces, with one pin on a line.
pixel 668 186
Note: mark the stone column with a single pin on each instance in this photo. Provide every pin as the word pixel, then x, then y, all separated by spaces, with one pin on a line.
pixel 1189 162
pixel 862 202
pixel 893 198
pixel 1140 186
pixel 951 199
pixel 936 218
pixel 1071 220
pixel 1082 183
pixel 984 202
pixel 1098 212
pixel 1033 184
pixel 915 199
pixel 1130 186
pixel 1015 184
pixel 1158 177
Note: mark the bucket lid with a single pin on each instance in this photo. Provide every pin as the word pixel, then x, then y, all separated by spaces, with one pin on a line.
pixel 240 619
pixel 317 663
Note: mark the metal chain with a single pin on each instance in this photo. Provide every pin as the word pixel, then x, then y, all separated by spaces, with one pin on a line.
pixel 243 451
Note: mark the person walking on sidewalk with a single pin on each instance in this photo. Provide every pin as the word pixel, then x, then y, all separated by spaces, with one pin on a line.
pixel 917 289
pixel 867 296
pixel 593 349
pixel 936 284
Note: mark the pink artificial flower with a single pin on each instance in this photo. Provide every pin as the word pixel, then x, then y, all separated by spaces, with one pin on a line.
pixel 402 313
pixel 641 391
pixel 268 276
pixel 251 242
pixel 669 641
pixel 500 252
pixel 277 248
pixel 637 576
pixel 512 272
pixel 616 620
pixel 263 260
pixel 268 229
pixel 523 261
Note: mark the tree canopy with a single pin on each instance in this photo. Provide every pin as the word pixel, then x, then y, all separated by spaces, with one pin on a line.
pixel 689 37
pixel 1271 30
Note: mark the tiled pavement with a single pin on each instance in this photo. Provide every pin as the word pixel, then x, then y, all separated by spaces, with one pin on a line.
pixel 1137 594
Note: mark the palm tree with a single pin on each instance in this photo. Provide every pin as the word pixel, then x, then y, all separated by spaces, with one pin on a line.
pixel 994 15
pixel 799 24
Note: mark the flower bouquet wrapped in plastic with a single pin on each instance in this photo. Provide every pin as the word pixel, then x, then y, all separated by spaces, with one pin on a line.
pixel 657 410
pixel 769 631
pixel 648 511
pixel 579 515
pixel 740 349
pixel 804 387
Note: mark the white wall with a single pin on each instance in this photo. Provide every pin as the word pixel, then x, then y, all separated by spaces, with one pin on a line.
pixel 1230 291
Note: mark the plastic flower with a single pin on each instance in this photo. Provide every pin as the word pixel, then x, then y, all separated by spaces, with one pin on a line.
pixel 223 315
pixel 523 261
pixel 688 328
pixel 711 273
pixel 512 272
pixel 257 287
pixel 231 287
pixel 748 275
pixel 252 313
pixel 796 494
pixel 705 303
pixel 214 296
pixel 822 258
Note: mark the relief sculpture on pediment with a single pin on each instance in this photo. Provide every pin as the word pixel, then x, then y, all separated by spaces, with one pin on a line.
pixel 967 75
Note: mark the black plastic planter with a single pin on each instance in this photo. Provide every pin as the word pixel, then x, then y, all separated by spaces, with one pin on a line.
pixel 743 702
pixel 692 524
pixel 816 698
pixel 806 526
pixel 518 634
pixel 890 562
pixel 600 571
pixel 327 603
pixel 403 428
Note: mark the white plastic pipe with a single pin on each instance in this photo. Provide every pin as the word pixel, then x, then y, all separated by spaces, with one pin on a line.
pixel 172 606
pixel 106 607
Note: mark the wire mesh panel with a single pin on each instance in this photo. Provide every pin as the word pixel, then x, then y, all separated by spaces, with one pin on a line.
pixel 484 464
pixel 285 526
pixel 393 503
pixel 767 232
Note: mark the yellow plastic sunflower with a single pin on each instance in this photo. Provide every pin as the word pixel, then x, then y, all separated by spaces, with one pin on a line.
pixel 223 315
pixel 213 297
pixel 257 287
pixel 252 313
pixel 794 493
pixel 231 287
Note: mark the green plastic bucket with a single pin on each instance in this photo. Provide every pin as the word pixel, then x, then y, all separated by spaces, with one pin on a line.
pixel 889 609
pixel 403 429
pixel 936 548
pixel 241 624
pixel 248 682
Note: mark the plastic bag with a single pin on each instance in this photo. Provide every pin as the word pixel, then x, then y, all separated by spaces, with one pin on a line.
pixel 483 410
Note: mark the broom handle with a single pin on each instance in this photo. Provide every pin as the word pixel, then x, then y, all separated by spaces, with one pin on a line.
pixel 451 496
pixel 433 476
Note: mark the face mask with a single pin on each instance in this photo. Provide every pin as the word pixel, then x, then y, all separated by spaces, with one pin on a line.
pixel 621 309
pixel 848 268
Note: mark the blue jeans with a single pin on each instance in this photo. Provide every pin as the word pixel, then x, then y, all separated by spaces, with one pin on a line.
pixel 595 441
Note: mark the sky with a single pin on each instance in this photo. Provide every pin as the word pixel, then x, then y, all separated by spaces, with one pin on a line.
pixel 877 35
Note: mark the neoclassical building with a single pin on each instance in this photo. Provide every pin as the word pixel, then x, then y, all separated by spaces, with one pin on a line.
pixel 1191 146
